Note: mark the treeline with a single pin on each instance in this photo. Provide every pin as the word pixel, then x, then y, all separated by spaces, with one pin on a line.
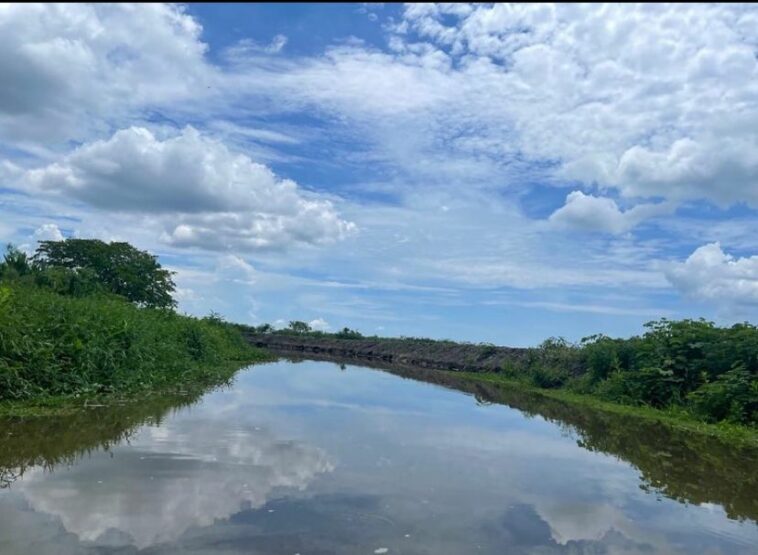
pixel 84 317
pixel 298 327
pixel 688 366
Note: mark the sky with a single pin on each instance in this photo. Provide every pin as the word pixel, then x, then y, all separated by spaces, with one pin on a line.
pixel 496 173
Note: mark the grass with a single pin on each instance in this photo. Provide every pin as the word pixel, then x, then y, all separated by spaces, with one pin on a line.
pixel 675 417
pixel 58 351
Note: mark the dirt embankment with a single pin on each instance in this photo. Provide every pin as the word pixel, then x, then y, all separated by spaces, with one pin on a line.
pixel 441 355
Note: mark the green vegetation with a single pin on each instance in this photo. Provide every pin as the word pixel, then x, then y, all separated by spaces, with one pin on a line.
pixel 118 268
pixel 298 327
pixel 85 319
pixel 674 418
pixel 690 366
pixel 691 369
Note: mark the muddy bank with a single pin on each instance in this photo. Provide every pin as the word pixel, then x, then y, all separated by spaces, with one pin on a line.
pixel 440 355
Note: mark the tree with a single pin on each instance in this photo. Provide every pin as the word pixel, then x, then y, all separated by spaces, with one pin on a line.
pixel 347 333
pixel 296 326
pixel 15 263
pixel 119 267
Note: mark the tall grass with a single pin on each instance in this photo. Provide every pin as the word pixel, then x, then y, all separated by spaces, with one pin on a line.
pixel 55 345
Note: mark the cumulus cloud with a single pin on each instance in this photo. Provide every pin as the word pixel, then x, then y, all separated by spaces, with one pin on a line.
pixel 219 471
pixel 722 169
pixel 208 196
pixel 68 67
pixel 710 274
pixel 319 324
pixel 48 232
pixel 655 101
pixel 591 213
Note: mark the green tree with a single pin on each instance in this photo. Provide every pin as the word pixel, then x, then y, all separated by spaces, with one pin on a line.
pixel 119 267
pixel 15 263
pixel 347 333
pixel 296 326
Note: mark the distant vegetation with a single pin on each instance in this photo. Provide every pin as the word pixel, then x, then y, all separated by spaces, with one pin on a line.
pixel 298 327
pixel 690 366
pixel 709 371
pixel 84 317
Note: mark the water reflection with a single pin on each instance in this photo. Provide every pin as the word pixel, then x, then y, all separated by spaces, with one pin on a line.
pixel 154 482
pixel 311 458
pixel 690 468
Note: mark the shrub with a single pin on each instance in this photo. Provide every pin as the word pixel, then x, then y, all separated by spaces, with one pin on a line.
pixel 347 333
pixel 56 345
pixel 733 396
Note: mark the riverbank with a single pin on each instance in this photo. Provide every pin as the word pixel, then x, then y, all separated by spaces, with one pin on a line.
pixel 421 353
pixel 734 434
pixel 522 369
pixel 210 378
pixel 56 351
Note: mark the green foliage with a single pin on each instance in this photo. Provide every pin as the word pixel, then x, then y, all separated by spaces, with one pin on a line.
pixel 693 364
pixel 690 366
pixel 15 264
pixel 53 345
pixel 733 397
pixel 552 364
pixel 296 326
pixel 116 267
pixel 64 281
pixel 486 350
pixel 601 356
pixel 347 333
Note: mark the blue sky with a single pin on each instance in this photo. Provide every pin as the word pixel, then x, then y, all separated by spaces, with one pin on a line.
pixel 486 173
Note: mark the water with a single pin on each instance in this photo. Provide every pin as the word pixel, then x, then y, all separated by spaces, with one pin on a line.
pixel 317 458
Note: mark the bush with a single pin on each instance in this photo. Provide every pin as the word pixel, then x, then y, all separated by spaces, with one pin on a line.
pixel 57 345
pixel 733 396
pixel 548 377
pixel 688 363
pixel 649 386
pixel 347 333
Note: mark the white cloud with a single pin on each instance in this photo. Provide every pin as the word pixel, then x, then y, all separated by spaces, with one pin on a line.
pixel 722 169
pixel 319 324
pixel 276 44
pixel 69 69
pixel 208 196
pixel 591 213
pixel 710 274
pixel 247 47
pixel 228 469
pixel 48 232
pixel 466 109
pixel 235 268
pixel 655 101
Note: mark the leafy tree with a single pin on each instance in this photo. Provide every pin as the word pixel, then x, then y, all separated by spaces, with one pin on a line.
pixel 296 326
pixel 15 263
pixel 118 267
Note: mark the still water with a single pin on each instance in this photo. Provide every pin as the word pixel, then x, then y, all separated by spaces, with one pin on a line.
pixel 317 458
